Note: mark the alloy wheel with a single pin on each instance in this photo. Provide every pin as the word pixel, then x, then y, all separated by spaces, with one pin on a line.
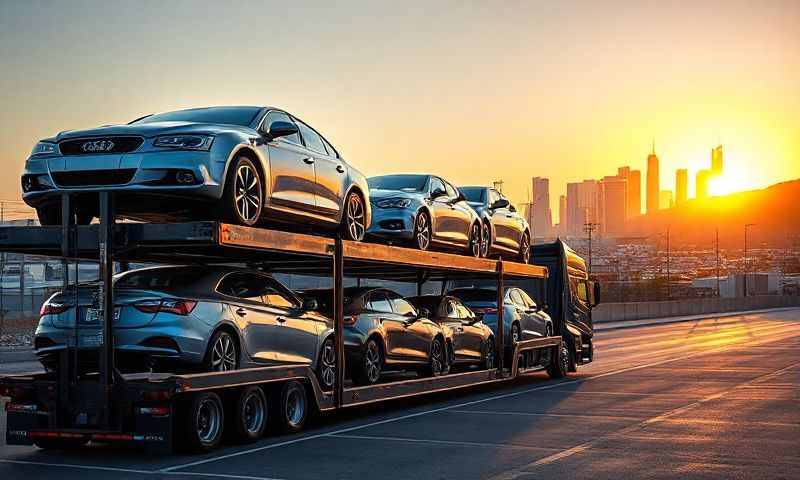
pixel 486 237
pixel 437 358
pixel 328 365
pixel 475 240
pixel 223 354
pixel 423 231
pixel 208 421
pixel 514 333
pixel 489 354
pixel 372 362
pixel 247 189
pixel 525 249
pixel 295 406
pixel 354 218
pixel 255 412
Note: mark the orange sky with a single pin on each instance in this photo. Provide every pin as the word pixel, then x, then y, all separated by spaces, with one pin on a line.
pixel 567 90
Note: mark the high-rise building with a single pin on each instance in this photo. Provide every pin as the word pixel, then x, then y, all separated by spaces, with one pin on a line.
pixel 542 215
pixel 653 186
pixel 581 205
pixel 665 199
pixel 701 184
pixel 634 179
pixel 613 205
pixel 681 186
pixel 562 214
pixel 716 161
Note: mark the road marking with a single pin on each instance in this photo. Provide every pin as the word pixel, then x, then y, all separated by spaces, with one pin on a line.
pixel 461 405
pixel 442 442
pixel 526 469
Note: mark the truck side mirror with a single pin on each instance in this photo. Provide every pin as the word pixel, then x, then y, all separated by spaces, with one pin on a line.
pixel 595 294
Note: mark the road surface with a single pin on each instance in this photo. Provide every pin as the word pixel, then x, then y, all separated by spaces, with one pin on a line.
pixel 715 398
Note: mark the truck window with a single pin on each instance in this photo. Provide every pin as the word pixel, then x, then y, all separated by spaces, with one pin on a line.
pixel 579 290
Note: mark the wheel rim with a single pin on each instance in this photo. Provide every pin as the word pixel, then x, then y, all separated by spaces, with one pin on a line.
pixel 490 354
pixel 254 413
pixel 564 359
pixel 475 240
pixel 436 357
pixel 248 193
pixel 485 239
pixel 525 249
pixel 423 232
pixel 295 406
pixel 208 421
pixel 223 354
pixel 328 364
pixel 355 218
pixel 372 362
pixel 515 334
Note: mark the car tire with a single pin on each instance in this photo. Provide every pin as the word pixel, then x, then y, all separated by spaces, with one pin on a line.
pixel 203 423
pixel 437 360
pixel 249 415
pixel 326 365
pixel 489 357
pixel 368 371
pixel 486 239
pixel 423 231
pixel 559 363
pixel 290 407
pixel 525 248
pixel 222 354
pixel 354 216
pixel 243 199
pixel 474 243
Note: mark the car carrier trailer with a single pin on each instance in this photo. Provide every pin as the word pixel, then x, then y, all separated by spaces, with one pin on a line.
pixel 69 408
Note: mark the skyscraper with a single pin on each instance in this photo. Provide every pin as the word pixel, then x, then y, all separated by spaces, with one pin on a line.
pixel 613 200
pixel 665 199
pixel 681 186
pixel 581 205
pixel 542 216
pixel 652 181
pixel 634 179
pixel 562 214
pixel 716 161
pixel 701 184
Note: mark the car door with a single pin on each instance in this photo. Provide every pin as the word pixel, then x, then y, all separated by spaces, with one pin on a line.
pixel 531 323
pixel 256 321
pixel 449 316
pixel 296 334
pixel 516 226
pixel 501 217
pixel 462 213
pixel 415 337
pixel 329 172
pixel 472 333
pixel 380 309
pixel 443 222
pixel 291 168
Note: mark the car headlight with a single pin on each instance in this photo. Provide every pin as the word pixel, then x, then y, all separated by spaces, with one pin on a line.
pixel 44 148
pixel 188 142
pixel 394 203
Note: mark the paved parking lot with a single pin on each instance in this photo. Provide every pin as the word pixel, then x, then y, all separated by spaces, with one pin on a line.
pixel 715 398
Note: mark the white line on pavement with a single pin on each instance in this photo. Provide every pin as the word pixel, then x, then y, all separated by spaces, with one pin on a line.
pixel 443 442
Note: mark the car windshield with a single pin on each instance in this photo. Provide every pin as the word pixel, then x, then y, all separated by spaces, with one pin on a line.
pixel 475 295
pixel 243 116
pixel 473 194
pixel 429 303
pixel 406 183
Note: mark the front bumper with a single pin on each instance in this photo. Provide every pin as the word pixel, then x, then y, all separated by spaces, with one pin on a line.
pixel 392 223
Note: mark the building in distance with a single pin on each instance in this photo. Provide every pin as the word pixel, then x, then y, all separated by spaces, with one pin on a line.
pixel 681 186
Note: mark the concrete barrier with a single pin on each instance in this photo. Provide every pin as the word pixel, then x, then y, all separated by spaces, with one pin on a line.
pixel 613 312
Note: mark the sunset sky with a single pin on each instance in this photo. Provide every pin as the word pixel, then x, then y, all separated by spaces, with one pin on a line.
pixel 474 91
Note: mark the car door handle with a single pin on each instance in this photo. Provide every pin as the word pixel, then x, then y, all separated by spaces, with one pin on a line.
pixel 509 216
pixel 308 160
pixel 241 312
pixel 339 168
pixel 280 319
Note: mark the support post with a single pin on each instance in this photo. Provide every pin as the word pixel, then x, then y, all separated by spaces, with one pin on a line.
pixel 501 337
pixel 66 361
pixel 338 319
pixel 106 299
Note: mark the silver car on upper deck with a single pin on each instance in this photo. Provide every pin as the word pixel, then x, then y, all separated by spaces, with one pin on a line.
pixel 240 164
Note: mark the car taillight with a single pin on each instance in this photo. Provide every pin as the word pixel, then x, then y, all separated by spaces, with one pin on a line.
pixel 350 320
pixel 484 310
pixel 169 305
pixel 52 308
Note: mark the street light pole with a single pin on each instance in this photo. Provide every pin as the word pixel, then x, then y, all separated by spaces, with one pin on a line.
pixel 589 227
pixel 669 293
pixel 746 226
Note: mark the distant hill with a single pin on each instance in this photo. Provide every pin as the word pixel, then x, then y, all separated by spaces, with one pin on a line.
pixel 775 211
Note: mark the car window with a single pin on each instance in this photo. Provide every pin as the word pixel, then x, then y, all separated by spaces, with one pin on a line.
pixel 255 288
pixel 402 307
pixel 493 196
pixel 463 312
pixel 452 312
pixel 582 292
pixel 275 116
pixel 379 303
pixel 451 191
pixel 331 151
pixel 474 194
pixel 527 299
pixel 436 184
pixel 312 140
pixel 516 298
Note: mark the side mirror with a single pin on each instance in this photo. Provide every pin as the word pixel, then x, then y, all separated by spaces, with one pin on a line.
pixel 423 313
pixel 279 128
pixel 310 305
pixel 438 193
pixel 502 203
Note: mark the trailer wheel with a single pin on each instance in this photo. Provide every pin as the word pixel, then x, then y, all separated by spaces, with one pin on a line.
pixel 559 363
pixel 203 423
pixel 249 416
pixel 290 411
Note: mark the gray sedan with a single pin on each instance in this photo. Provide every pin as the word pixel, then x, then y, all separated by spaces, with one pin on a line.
pixel 238 164
pixel 191 317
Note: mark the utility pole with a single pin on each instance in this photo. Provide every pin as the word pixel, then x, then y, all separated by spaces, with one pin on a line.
pixel 717 251
pixel 589 228
pixel 747 225
pixel 669 293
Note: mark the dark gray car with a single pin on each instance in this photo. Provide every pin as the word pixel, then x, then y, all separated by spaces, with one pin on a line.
pixel 505 231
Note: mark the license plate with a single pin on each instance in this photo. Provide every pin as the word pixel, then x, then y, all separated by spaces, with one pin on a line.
pixel 93 315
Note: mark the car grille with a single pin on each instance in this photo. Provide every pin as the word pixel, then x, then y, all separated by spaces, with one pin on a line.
pixel 93 178
pixel 121 144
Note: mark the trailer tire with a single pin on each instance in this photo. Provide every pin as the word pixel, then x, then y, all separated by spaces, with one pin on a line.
pixel 203 422
pixel 290 407
pixel 559 363
pixel 249 415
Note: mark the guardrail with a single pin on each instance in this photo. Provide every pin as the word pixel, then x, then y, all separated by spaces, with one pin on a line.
pixel 614 312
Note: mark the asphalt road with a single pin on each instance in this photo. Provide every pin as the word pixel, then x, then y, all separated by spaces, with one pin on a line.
pixel 714 398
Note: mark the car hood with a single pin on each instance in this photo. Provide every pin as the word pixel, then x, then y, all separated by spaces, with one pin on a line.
pixel 379 194
pixel 153 129
pixel 477 206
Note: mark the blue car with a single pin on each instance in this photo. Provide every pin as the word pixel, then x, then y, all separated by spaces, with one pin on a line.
pixel 505 231
pixel 423 211
pixel 242 165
